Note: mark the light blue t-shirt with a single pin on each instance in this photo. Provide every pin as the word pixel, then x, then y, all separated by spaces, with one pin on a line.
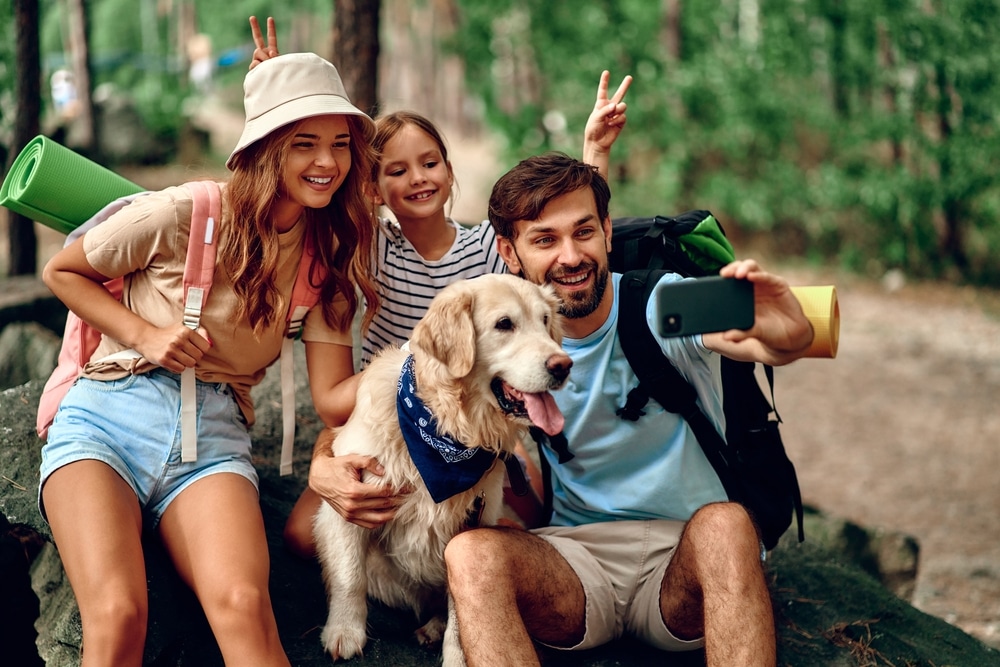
pixel 652 468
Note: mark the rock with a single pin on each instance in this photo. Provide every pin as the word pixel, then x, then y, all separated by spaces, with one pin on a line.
pixel 892 558
pixel 27 299
pixel 28 351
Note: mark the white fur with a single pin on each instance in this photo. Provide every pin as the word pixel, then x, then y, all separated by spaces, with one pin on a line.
pixel 475 330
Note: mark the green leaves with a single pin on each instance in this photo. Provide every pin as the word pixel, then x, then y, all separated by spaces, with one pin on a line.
pixel 868 125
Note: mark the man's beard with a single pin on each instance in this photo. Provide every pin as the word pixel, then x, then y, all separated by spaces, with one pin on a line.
pixel 582 304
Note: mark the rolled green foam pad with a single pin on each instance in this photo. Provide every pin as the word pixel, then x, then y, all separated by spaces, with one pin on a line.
pixel 58 187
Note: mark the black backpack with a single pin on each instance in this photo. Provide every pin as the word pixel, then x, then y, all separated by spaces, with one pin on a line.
pixel 751 460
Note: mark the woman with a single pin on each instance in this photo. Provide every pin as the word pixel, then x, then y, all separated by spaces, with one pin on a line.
pixel 112 466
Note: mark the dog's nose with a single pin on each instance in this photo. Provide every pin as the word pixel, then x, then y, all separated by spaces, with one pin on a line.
pixel 558 366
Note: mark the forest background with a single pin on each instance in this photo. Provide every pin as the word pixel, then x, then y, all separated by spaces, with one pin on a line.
pixel 859 132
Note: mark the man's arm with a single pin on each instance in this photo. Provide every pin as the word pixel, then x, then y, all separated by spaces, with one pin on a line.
pixel 605 124
pixel 781 332
pixel 337 480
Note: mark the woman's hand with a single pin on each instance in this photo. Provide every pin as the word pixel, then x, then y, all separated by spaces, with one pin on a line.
pixel 263 50
pixel 175 347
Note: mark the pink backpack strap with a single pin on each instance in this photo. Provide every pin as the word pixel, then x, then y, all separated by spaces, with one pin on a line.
pixel 199 267
pixel 199 270
pixel 304 297
pixel 304 294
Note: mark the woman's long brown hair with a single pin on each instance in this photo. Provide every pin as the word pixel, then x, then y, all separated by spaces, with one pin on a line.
pixel 342 233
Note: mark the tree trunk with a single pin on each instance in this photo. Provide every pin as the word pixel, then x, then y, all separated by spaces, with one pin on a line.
pixel 837 16
pixel 890 89
pixel 952 243
pixel 85 127
pixel 670 31
pixel 21 230
pixel 356 49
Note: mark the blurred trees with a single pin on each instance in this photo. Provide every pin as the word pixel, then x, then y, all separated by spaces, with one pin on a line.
pixel 862 130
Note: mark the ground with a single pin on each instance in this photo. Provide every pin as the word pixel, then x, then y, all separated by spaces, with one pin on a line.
pixel 900 431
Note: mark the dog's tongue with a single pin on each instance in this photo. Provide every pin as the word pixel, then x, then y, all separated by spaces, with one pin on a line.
pixel 543 412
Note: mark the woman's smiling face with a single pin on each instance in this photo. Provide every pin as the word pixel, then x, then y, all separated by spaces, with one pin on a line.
pixel 317 161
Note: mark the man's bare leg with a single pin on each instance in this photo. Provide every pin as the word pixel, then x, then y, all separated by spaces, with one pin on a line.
pixel 715 587
pixel 509 586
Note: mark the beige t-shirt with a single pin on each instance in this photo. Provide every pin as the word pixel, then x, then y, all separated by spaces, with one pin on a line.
pixel 147 243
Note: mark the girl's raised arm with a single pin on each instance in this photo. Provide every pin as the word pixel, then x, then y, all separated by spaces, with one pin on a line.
pixel 605 124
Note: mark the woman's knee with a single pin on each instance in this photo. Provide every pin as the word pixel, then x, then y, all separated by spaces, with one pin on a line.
pixel 119 618
pixel 240 602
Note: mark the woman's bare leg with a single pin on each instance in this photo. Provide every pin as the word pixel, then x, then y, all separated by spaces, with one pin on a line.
pixel 214 533
pixel 97 526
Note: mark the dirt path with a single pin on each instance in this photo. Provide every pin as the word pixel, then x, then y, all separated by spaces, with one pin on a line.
pixel 901 431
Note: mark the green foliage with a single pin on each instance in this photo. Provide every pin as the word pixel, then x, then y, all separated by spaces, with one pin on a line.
pixel 858 130
pixel 134 50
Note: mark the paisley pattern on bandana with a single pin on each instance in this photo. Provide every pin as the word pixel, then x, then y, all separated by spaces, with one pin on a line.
pixel 446 466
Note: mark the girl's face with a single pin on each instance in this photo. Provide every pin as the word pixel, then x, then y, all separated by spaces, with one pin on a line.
pixel 414 180
pixel 316 164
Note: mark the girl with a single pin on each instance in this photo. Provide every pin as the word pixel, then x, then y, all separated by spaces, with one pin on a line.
pixel 112 466
pixel 418 253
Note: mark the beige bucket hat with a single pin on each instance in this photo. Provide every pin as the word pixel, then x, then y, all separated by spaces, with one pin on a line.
pixel 288 88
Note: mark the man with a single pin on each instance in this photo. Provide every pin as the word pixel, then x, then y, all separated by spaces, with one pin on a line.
pixel 642 539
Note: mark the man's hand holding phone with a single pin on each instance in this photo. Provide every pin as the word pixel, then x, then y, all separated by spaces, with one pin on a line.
pixel 704 305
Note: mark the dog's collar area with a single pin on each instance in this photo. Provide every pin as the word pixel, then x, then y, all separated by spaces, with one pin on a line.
pixel 475 518
pixel 516 476
pixel 446 466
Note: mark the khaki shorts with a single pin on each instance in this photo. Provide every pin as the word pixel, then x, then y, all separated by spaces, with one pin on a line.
pixel 621 565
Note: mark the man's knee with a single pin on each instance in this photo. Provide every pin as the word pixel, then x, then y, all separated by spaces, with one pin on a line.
pixel 472 550
pixel 723 524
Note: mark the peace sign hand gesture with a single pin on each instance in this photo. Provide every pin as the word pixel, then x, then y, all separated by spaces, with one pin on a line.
pixel 263 50
pixel 605 123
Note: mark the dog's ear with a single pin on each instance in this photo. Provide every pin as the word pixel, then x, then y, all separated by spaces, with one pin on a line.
pixel 555 317
pixel 446 333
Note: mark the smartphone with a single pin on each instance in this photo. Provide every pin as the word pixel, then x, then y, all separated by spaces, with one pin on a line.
pixel 703 305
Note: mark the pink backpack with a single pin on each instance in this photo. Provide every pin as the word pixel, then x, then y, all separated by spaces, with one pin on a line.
pixel 80 340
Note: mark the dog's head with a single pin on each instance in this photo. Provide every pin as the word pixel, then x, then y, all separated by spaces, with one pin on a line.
pixel 491 345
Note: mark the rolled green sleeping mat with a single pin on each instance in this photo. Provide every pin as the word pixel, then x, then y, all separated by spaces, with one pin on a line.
pixel 58 187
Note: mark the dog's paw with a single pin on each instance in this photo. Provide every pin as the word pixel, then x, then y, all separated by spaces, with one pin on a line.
pixel 344 643
pixel 431 634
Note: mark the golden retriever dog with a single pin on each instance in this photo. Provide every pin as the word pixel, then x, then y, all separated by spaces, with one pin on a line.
pixel 441 418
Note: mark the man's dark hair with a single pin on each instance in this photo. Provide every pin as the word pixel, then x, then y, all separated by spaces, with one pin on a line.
pixel 524 191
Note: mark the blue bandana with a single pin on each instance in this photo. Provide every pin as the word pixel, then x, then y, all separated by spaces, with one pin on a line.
pixel 447 467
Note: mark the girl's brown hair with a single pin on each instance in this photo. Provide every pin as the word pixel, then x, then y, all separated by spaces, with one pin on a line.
pixel 342 233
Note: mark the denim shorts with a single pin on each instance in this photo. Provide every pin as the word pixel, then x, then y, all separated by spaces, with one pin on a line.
pixel 134 426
